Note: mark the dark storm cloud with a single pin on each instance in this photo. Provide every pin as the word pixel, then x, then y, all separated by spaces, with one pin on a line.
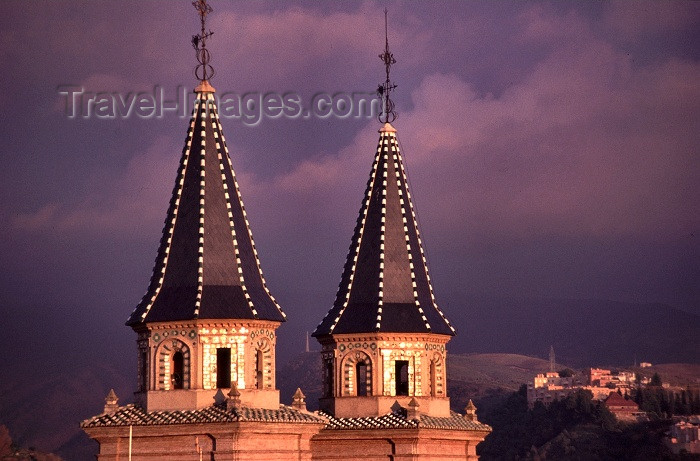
pixel 548 145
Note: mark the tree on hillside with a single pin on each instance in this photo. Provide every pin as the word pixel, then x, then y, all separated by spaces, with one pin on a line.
pixel 656 380
pixel 576 427
pixel 518 429
pixel 661 403
pixel 687 402
pixel 566 373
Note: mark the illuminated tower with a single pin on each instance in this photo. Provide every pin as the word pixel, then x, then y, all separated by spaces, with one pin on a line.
pixel 384 339
pixel 207 321
pixel 206 326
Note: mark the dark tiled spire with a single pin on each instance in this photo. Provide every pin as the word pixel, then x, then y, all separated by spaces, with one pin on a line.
pixel 385 285
pixel 207 266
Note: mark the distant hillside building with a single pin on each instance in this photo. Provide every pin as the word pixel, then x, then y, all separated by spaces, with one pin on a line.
pixel 595 375
pixel 623 409
pixel 684 436
pixel 548 387
pixel 207 331
pixel 600 377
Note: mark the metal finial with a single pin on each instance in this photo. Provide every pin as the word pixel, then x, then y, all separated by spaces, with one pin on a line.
pixel 388 114
pixel 203 71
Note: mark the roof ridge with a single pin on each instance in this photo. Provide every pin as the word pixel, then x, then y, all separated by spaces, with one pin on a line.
pixel 132 414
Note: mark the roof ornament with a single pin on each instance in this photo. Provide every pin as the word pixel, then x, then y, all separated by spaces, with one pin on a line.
pixel 299 400
pixel 388 114
pixel 470 411
pixel 111 402
pixel 412 413
pixel 233 402
pixel 204 71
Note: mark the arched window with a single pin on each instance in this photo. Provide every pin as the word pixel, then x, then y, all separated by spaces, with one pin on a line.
pixel 362 381
pixel 401 373
pixel 259 369
pixel 177 376
pixel 433 378
pixel 173 365
pixel 263 362
pixel 205 445
pixel 357 374
pixel 143 373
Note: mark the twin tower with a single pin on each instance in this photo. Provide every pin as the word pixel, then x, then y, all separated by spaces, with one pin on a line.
pixel 208 322
pixel 207 330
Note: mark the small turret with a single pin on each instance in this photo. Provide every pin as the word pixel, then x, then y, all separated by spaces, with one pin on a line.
pixel 233 402
pixel 299 400
pixel 412 413
pixel 470 411
pixel 111 404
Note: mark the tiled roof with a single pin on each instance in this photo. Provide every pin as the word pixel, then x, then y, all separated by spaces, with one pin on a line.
pixel 397 421
pixel 455 421
pixel 616 400
pixel 391 420
pixel 385 285
pixel 207 266
pixel 135 415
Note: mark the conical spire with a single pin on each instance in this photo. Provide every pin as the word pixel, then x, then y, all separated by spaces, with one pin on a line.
pixel 207 266
pixel 385 285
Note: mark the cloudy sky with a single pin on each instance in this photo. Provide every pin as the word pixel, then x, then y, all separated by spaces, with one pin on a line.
pixel 552 149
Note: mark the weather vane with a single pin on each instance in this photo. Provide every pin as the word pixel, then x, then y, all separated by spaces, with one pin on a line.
pixel 388 114
pixel 204 71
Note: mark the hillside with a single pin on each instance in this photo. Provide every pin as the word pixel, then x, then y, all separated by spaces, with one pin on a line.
pixel 44 410
pixel 574 428
pixel 486 378
pixel 675 374
pixel 486 371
